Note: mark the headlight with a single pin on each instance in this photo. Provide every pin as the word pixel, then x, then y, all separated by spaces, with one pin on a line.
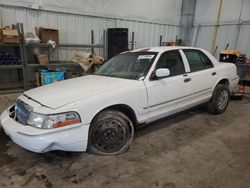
pixel 36 120
pixel 54 120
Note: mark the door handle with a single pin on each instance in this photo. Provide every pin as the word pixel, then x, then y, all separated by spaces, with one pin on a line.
pixel 214 73
pixel 187 80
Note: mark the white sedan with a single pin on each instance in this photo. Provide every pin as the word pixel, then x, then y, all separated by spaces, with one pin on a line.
pixel 99 112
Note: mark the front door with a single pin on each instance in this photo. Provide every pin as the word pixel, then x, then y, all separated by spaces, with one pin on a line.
pixel 168 95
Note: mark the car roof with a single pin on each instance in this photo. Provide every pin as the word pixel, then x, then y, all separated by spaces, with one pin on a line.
pixel 162 48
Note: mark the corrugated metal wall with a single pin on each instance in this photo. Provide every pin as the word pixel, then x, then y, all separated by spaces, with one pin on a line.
pixel 234 26
pixel 157 11
pixel 244 40
pixel 148 34
pixel 226 35
pixel 77 28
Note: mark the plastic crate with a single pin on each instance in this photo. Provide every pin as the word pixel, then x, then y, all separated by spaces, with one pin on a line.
pixel 48 77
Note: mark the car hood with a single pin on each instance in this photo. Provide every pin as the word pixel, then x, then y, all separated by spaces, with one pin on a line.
pixel 65 92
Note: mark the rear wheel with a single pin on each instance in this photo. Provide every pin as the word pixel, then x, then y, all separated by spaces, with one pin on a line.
pixel 111 132
pixel 220 99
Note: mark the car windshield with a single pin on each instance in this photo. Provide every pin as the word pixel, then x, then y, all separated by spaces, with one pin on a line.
pixel 129 65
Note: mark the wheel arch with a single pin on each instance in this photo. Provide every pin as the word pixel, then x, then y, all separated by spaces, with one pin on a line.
pixel 124 108
pixel 223 81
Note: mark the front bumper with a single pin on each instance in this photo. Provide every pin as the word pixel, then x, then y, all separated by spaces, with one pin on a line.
pixel 69 138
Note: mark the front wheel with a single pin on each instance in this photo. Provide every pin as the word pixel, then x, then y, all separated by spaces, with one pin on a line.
pixel 110 133
pixel 220 99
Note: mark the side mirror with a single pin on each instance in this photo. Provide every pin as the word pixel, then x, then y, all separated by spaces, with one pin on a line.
pixel 162 72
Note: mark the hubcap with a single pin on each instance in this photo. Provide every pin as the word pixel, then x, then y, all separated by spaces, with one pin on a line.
pixel 109 135
pixel 223 99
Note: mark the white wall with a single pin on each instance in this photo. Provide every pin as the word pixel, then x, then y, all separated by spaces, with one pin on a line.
pixel 207 11
pixel 206 15
pixel 161 11
pixel 148 19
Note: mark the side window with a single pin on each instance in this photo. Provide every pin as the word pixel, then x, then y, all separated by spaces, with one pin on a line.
pixel 173 61
pixel 197 60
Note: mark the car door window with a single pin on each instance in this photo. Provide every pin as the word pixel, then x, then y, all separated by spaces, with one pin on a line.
pixel 197 60
pixel 171 60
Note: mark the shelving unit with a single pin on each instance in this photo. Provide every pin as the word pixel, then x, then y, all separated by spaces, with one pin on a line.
pixel 54 64
pixel 50 48
pixel 9 45
pixel 11 66
pixel 32 66
pixel 16 50
pixel 27 67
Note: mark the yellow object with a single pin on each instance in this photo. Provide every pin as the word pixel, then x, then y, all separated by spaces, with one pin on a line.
pixel 230 52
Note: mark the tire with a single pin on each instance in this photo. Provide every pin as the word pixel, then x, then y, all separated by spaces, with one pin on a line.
pixel 111 132
pixel 220 99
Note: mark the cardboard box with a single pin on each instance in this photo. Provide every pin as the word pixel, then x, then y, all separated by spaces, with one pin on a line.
pixel 38 79
pixel 45 77
pixel 247 75
pixel 48 33
pixel 1 35
pixel 42 59
pixel 9 35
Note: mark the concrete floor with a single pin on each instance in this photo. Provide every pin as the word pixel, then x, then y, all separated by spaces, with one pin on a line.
pixel 192 149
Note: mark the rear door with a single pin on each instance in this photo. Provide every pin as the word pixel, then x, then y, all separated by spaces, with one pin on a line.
pixel 202 73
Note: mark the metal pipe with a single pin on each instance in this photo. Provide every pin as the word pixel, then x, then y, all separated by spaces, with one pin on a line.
pixel 104 45
pixel 187 21
pixel 196 36
pixel 23 55
pixel 73 45
pixel 92 42
pixel 216 28
pixel 133 41
pixel 223 24
pixel 160 40
pixel 238 27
